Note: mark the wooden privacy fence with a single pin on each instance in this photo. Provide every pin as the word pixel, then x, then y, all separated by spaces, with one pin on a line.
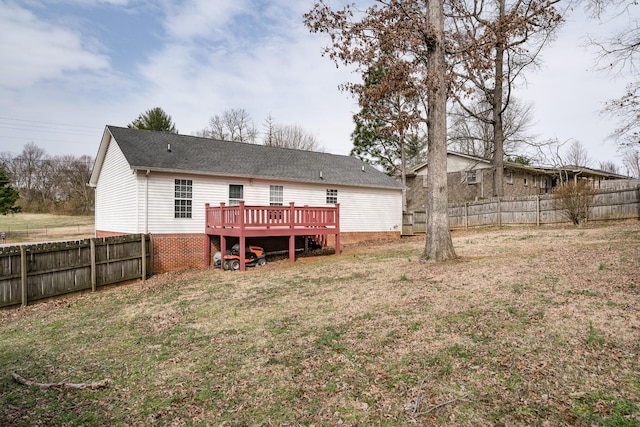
pixel 606 205
pixel 35 271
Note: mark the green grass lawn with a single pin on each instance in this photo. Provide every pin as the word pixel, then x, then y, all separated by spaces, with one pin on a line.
pixel 529 327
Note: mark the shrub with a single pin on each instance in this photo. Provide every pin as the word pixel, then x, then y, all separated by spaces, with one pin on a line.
pixel 574 200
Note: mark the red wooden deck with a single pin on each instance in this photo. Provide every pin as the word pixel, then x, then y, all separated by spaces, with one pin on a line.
pixel 244 221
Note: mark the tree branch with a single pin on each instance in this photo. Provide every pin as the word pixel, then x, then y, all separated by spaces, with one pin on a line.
pixel 80 386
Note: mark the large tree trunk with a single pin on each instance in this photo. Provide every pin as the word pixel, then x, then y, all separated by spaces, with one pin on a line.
pixel 438 246
pixel 497 101
pixel 403 170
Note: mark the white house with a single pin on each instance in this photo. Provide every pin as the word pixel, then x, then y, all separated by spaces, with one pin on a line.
pixel 159 183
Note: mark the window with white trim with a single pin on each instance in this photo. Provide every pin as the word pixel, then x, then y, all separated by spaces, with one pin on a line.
pixel 509 177
pixel 332 195
pixel 472 176
pixel 236 194
pixel 183 189
pixel 276 195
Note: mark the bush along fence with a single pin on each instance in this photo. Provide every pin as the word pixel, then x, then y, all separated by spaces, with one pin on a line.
pixel 606 205
pixel 32 272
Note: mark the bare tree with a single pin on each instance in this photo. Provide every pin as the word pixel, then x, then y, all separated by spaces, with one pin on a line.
pixel 577 155
pixel 471 136
pixel 619 51
pixel 70 176
pixel 414 32
pixel 50 184
pixel 494 43
pixel 631 161
pixel 619 55
pixel 289 136
pixel 234 124
pixel 609 166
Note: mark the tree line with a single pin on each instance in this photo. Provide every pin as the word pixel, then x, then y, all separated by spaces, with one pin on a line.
pixel 236 124
pixel 37 182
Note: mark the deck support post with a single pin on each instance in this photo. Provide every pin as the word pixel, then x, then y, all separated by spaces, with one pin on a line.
pixel 243 265
pixel 292 248
pixel 223 250
pixel 207 250
pixel 337 228
pixel 242 220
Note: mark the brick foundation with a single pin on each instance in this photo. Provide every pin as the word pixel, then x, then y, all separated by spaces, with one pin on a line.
pixel 180 251
pixel 177 251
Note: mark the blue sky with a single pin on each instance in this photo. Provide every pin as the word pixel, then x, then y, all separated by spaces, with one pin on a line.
pixel 70 67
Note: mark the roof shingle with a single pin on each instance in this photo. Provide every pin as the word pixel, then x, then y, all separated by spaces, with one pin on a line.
pixel 161 151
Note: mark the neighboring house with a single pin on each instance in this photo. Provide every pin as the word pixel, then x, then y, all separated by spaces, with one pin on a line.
pixel 471 178
pixel 159 183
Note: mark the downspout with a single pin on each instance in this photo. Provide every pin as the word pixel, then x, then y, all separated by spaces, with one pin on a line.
pixel 575 177
pixel 146 202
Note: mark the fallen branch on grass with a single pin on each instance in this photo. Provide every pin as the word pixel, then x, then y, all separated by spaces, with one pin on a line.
pixel 440 405
pixel 81 386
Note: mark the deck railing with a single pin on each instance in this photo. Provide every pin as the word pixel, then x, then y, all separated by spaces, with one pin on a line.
pixel 264 217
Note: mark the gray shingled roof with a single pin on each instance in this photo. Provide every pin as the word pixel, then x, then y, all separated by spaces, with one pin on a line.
pixel 149 150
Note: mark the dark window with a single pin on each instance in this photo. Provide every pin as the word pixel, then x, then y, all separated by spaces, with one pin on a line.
pixel 235 194
pixel 332 195
pixel 472 176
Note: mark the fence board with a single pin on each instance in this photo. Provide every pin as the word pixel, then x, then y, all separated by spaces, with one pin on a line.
pixel 609 204
pixel 58 268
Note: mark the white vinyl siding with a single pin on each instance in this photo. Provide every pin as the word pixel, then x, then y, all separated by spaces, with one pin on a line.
pixel 161 194
pixel 116 194
pixel 373 210
pixel 361 209
pixel 139 202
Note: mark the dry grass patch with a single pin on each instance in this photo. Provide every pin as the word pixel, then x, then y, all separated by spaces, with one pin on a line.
pixel 528 327
pixel 32 227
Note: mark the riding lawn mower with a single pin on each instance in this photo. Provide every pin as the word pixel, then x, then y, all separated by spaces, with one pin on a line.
pixel 254 255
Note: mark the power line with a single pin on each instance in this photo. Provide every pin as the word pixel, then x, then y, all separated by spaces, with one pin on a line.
pixel 47 123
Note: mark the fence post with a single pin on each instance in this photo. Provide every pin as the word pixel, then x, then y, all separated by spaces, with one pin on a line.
pixel 538 210
pixel 23 273
pixel 143 254
pixel 466 215
pixel 94 281
pixel 499 212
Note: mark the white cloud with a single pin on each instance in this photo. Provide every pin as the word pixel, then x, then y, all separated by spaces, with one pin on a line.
pixel 207 56
pixel 33 50
pixel 278 71
pixel 201 18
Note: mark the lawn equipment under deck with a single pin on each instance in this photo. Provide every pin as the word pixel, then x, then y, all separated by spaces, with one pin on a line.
pixel 254 255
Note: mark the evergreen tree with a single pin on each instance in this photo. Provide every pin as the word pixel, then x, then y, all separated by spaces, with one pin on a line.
pixel 8 196
pixel 154 119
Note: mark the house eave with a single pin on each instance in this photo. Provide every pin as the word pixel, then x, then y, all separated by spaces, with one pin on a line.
pixel 147 169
